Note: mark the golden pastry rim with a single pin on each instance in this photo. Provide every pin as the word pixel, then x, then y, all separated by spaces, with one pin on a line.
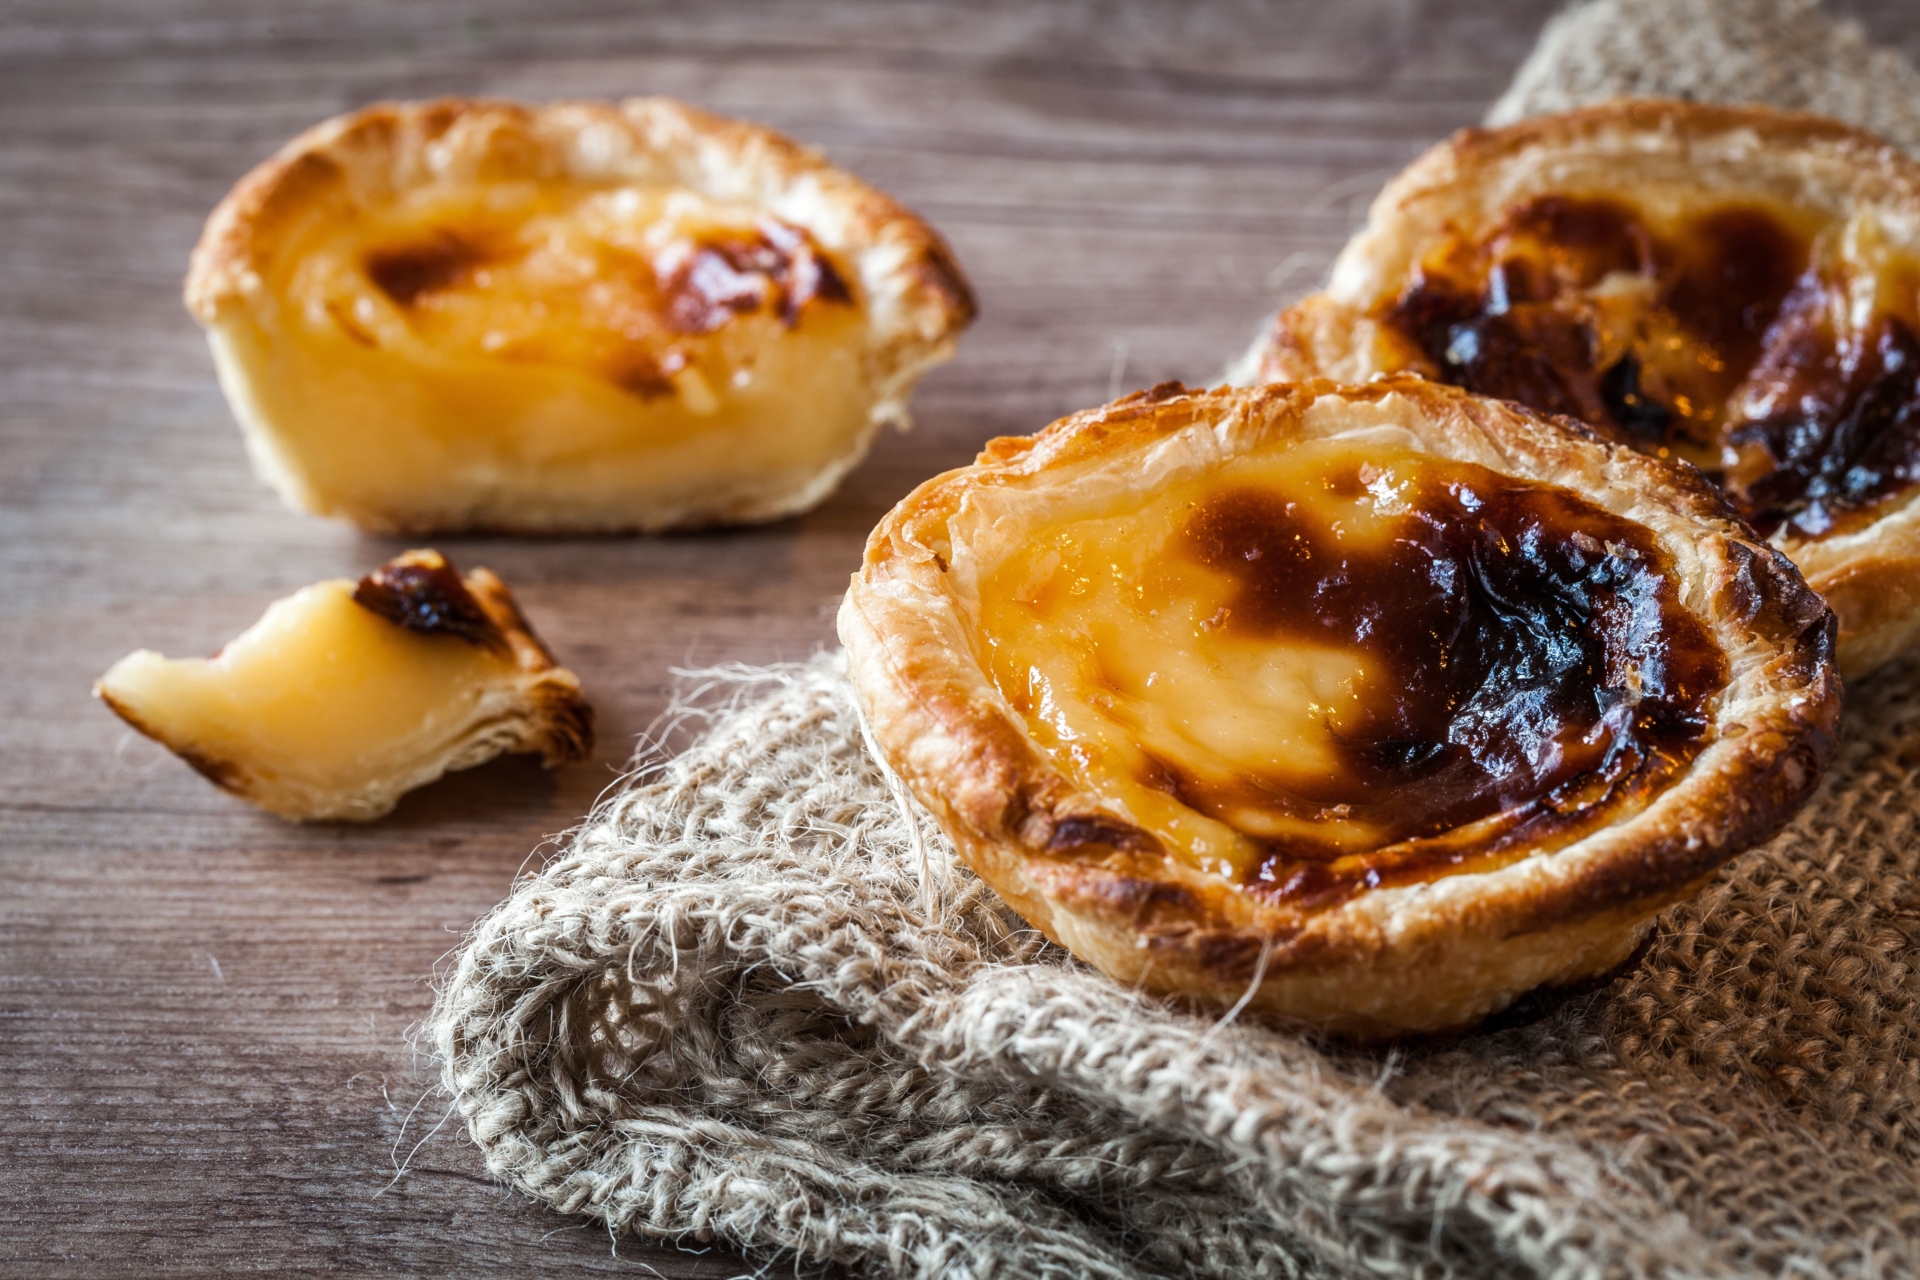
pixel 942 726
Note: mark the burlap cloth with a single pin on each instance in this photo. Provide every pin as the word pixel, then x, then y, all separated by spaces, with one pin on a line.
pixel 757 1002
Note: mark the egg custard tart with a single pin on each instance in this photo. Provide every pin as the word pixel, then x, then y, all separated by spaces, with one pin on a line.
pixel 578 317
pixel 1732 286
pixel 347 695
pixel 1377 706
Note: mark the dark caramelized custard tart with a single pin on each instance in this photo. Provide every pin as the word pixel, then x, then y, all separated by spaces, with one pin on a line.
pixel 1735 288
pixel 1411 700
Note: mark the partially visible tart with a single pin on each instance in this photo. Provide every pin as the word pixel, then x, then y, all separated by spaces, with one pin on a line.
pixel 1379 705
pixel 1732 286
pixel 576 317
pixel 345 695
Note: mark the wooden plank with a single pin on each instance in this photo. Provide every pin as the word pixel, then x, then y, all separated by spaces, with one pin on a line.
pixel 207 1012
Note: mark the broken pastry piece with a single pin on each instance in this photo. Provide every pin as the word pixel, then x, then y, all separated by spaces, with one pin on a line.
pixel 345 696
pixel 580 317
pixel 1374 706
pixel 1732 286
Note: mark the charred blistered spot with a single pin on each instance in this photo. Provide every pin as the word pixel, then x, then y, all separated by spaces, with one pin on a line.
pixel 1534 354
pixel 1731 348
pixel 409 272
pixel 809 273
pixel 1494 322
pixel 1765 593
pixel 422 592
pixel 1817 641
pixel 714 284
pixel 1742 598
pixel 1530 665
pixel 1844 430
pixel 778 268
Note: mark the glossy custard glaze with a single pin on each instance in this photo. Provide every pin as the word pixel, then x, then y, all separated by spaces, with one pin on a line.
pixel 1339 665
pixel 657 291
pixel 1769 346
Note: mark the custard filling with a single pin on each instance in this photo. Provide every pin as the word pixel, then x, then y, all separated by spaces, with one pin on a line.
pixel 656 291
pixel 1772 346
pixel 1339 665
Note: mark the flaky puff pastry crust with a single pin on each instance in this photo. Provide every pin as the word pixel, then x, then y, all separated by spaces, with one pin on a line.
pixel 1871 576
pixel 1415 958
pixel 440 442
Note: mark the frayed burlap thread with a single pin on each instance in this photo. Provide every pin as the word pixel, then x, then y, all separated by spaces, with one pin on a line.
pixel 758 1002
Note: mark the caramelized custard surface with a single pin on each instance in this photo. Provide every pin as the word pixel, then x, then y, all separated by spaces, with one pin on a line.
pixel 1334 666
pixel 658 291
pixel 1770 346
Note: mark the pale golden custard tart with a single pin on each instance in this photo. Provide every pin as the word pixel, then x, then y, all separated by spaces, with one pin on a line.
pixel 1732 286
pixel 345 695
pixel 1376 706
pixel 577 317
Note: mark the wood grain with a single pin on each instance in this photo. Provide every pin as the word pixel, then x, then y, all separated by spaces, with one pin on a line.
pixel 204 1012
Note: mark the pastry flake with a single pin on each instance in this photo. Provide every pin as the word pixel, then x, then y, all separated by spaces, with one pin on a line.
pixel 1731 286
pixel 578 317
pixel 1402 700
pixel 345 695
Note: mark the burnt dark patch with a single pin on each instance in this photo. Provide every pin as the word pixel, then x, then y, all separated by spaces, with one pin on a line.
pixel 1532 658
pixel 778 267
pixel 1595 238
pixel 1732 269
pixel 422 592
pixel 1736 287
pixel 1531 353
pixel 1499 328
pixel 1845 428
pixel 406 273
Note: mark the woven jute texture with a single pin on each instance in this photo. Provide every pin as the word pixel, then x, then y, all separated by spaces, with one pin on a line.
pixel 1785 53
pixel 757 1002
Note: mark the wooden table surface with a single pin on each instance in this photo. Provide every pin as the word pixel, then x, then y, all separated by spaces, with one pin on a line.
pixel 205 1013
